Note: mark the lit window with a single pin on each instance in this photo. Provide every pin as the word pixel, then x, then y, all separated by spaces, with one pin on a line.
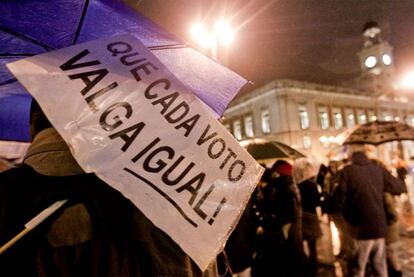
pixel 248 126
pixel 397 118
pixel 410 120
pixel 324 141
pixel 362 118
pixel 323 117
pixel 265 122
pixel 304 117
pixel 337 117
pixel 237 130
pixel 387 116
pixel 307 142
pixel 371 116
pixel 350 118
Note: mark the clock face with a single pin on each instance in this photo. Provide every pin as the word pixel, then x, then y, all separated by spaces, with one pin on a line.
pixel 370 62
pixel 386 59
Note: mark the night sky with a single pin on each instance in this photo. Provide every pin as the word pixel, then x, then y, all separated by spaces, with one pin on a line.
pixel 308 40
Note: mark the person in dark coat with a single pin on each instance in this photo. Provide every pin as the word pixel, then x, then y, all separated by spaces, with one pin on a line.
pixel 241 243
pixel 304 174
pixel 360 193
pixel 279 250
pixel 393 232
pixel 97 233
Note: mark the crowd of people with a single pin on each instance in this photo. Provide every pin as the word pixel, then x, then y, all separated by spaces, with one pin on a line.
pixel 291 200
pixel 286 207
pixel 277 235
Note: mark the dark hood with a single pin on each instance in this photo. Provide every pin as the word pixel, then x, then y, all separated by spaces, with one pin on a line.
pixel 359 158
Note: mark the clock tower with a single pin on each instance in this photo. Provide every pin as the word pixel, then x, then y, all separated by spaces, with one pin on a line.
pixel 376 61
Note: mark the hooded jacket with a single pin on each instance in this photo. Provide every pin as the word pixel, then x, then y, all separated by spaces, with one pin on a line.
pixel 361 195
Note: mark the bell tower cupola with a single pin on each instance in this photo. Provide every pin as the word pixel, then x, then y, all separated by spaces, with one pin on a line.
pixel 376 55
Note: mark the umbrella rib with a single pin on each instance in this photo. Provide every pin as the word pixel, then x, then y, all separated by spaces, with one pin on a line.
pixel 8 81
pixel 169 46
pixel 47 47
pixel 16 54
pixel 281 148
pixel 78 30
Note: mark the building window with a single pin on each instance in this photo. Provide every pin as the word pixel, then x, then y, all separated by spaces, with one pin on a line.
pixel 337 117
pixel 410 120
pixel 307 142
pixel 304 117
pixel 323 117
pixel 265 122
pixel 362 118
pixel 324 141
pixel 350 118
pixel 387 116
pixel 237 130
pixel 371 116
pixel 248 126
pixel 395 116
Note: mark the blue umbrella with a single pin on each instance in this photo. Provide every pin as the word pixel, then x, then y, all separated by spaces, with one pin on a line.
pixel 29 27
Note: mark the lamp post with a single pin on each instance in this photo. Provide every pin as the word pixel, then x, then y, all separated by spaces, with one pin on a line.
pixel 407 81
pixel 210 39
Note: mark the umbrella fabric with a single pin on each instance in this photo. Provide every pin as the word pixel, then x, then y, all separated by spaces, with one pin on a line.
pixel 14 112
pixel 30 27
pixel 379 132
pixel 272 150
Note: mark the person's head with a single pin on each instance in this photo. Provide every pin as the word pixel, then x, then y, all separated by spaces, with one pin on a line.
pixel 304 169
pixel 353 148
pixel 38 120
pixel 371 151
pixel 334 166
pixel 323 170
pixel 402 173
pixel 357 152
pixel 282 168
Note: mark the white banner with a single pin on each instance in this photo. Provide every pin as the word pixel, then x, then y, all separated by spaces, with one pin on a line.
pixel 130 121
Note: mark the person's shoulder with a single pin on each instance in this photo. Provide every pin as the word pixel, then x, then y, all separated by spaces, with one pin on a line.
pixel 346 168
pixel 11 173
pixel 15 179
pixel 309 183
pixel 378 164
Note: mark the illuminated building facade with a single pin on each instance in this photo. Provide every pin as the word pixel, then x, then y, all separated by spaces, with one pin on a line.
pixel 309 116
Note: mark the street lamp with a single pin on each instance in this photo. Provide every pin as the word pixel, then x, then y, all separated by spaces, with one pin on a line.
pixel 407 81
pixel 224 32
pixel 220 34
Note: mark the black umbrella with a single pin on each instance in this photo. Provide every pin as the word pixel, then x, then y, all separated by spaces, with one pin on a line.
pixel 379 132
pixel 272 150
